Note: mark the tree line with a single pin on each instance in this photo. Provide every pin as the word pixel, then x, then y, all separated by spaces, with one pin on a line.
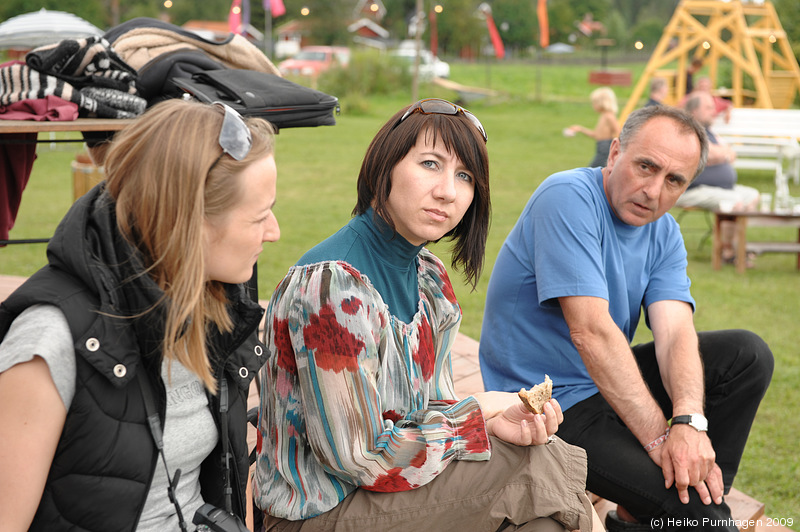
pixel 459 27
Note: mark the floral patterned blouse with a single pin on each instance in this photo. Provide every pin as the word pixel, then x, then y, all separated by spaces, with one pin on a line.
pixel 353 397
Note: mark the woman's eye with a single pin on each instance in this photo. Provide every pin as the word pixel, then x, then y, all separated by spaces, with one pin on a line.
pixel 465 177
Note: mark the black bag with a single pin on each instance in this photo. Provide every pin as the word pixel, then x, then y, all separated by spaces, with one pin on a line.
pixel 282 102
pixel 156 81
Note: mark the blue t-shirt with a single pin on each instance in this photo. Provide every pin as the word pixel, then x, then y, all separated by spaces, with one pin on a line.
pixel 568 242
pixel 721 175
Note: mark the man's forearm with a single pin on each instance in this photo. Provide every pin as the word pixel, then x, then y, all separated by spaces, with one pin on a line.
pixel 613 368
pixel 678 356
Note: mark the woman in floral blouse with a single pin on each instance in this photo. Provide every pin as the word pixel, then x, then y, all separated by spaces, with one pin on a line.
pixel 360 428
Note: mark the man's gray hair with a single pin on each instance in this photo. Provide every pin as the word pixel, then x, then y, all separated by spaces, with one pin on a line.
pixel 694 102
pixel 657 84
pixel 685 122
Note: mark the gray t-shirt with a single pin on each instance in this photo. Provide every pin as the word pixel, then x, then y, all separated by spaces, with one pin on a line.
pixel 189 430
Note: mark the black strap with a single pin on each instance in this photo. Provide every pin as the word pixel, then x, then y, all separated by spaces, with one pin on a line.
pixel 226 453
pixel 154 423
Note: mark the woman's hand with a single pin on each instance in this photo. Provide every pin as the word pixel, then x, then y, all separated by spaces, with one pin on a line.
pixel 519 426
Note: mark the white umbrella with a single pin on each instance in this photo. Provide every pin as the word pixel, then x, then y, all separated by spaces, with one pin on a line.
pixel 42 27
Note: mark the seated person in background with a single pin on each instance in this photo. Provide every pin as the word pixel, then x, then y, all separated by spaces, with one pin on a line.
pixel 359 425
pixel 591 250
pixel 716 187
pixel 658 92
pixel 604 102
pixel 721 105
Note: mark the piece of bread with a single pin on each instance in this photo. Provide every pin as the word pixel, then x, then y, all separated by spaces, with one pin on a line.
pixel 535 398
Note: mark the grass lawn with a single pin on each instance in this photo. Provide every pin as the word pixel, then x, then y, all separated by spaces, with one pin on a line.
pixel 317 170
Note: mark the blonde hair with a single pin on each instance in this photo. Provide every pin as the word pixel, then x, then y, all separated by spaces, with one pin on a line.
pixel 604 99
pixel 157 170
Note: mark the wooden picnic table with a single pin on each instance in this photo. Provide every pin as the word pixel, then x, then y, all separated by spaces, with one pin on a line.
pixel 744 219
pixel 79 125
pixel 46 126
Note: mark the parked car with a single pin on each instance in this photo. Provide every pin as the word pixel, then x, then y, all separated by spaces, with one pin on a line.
pixel 311 60
pixel 430 66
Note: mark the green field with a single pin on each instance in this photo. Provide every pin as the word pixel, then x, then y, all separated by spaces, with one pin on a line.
pixel 317 170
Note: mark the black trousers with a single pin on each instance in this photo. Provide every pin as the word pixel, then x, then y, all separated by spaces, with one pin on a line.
pixel 738 367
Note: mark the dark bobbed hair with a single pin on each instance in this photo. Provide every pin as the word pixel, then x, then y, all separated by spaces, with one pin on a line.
pixel 391 144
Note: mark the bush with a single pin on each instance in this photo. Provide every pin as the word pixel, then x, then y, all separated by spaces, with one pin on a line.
pixel 369 73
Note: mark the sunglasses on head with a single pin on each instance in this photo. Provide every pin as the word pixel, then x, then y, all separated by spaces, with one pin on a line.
pixel 234 137
pixel 437 106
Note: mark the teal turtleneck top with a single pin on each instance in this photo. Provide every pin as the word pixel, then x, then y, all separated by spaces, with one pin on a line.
pixel 387 259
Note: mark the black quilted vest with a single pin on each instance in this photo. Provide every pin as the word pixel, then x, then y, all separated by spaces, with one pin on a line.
pixel 106 457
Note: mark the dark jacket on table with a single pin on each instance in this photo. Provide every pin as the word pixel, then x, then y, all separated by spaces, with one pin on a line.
pixel 106 457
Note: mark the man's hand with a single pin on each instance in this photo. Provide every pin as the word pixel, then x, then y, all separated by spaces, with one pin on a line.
pixel 687 458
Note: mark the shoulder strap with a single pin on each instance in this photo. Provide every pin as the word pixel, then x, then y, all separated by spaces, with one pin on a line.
pixel 154 422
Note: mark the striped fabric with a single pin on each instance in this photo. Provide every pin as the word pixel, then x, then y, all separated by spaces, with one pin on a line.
pixel 86 72
pixel 352 397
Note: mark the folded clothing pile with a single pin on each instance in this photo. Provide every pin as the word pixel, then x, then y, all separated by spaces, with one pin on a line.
pixel 86 72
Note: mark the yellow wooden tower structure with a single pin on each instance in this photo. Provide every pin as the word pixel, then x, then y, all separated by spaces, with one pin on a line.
pixel 748 35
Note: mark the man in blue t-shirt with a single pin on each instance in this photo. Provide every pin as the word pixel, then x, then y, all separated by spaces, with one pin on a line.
pixel 591 249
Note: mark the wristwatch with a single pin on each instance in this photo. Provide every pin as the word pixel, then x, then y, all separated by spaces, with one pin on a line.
pixel 696 421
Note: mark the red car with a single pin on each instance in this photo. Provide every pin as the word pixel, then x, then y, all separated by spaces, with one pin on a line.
pixel 311 60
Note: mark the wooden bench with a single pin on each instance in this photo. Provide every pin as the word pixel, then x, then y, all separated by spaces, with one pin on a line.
pixel 764 139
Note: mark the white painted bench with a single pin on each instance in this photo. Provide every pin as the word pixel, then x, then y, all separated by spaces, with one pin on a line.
pixel 764 139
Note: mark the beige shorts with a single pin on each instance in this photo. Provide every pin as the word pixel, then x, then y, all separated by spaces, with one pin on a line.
pixel 540 488
pixel 740 197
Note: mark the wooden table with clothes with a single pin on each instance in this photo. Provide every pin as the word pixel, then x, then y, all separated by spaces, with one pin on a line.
pixel 18 140
pixel 56 85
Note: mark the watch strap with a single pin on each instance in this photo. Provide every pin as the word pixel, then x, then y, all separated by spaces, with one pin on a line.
pixel 696 421
pixel 681 420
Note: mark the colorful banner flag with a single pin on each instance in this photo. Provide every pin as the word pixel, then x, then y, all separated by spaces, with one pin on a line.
pixel 235 17
pixel 275 7
pixel 544 24
pixel 494 35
